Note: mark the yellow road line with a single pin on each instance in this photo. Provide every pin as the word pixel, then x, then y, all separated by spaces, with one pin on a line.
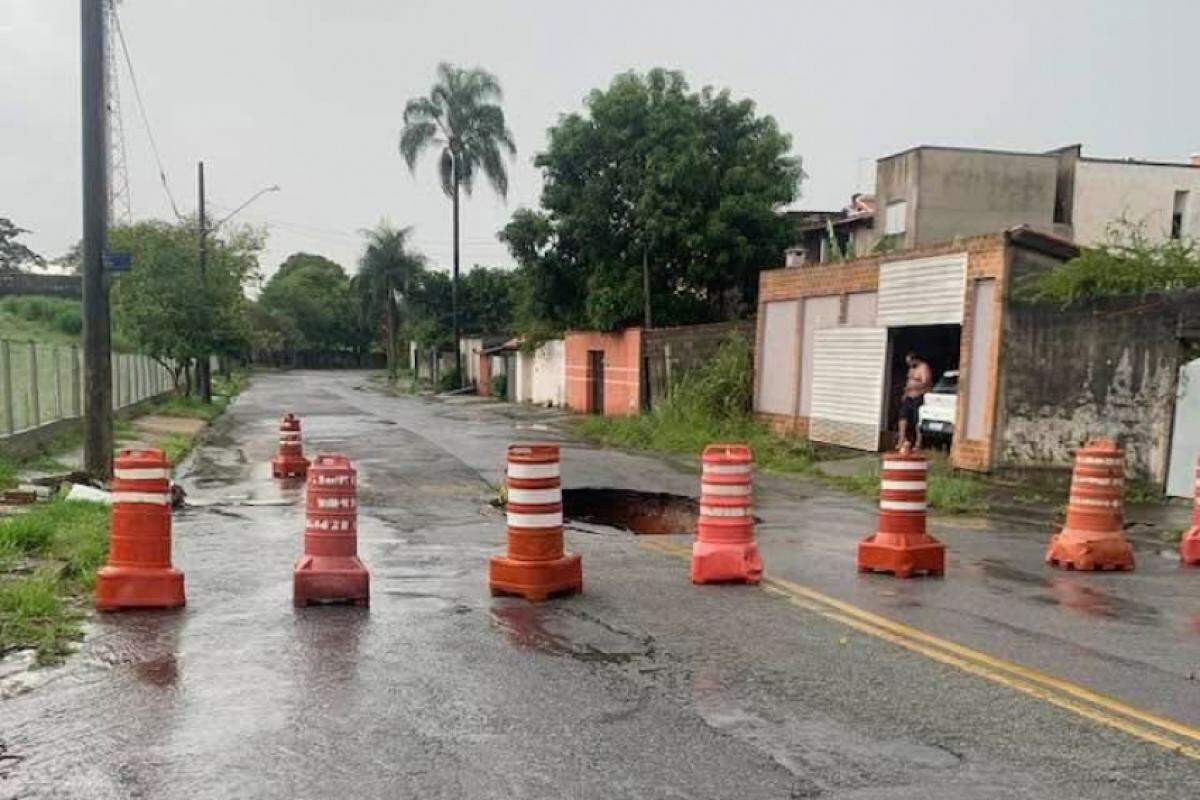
pixel 1056 691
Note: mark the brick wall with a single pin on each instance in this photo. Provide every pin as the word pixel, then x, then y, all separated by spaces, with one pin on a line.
pixel 987 257
pixel 622 370
pixel 669 352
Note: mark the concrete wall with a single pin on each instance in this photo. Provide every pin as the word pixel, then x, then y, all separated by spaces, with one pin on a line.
pixel 1104 369
pixel 669 352
pixel 29 283
pixel 470 347
pixel 958 193
pixel 963 193
pixel 622 370
pixel 1107 190
pixel 548 385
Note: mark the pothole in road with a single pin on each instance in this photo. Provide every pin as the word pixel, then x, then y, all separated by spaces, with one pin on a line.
pixel 634 511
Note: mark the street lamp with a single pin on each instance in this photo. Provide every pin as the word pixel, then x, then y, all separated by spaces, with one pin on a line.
pixel 203 367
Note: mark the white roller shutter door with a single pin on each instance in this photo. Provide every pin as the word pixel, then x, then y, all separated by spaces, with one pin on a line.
pixel 847 386
pixel 923 291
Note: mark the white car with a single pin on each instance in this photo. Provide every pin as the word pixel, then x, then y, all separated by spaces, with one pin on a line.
pixel 936 417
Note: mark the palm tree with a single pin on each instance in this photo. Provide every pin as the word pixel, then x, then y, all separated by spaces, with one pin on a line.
pixel 386 267
pixel 461 115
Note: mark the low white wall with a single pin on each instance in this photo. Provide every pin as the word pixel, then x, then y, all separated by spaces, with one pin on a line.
pixel 548 384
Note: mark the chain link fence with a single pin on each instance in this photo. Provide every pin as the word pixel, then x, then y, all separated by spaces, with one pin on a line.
pixel 42 383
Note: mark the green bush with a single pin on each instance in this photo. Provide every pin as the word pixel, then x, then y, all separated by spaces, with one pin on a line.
pixel 499 386
pixel 68 320
pixel 449 381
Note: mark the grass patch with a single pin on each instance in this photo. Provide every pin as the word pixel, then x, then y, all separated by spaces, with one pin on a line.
pixel 175 446
pixel 189 406
pixel 66 542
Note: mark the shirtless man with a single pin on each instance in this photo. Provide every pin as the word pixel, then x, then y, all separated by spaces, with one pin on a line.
pixel 916 384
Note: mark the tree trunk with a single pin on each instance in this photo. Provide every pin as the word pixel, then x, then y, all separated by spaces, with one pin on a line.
pixel 454 283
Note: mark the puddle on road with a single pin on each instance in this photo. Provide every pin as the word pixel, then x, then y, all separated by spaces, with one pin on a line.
pixel 529 627
pixel 1093 602
pixel 638 512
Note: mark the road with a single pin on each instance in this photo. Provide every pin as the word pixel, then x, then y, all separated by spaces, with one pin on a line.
pixel 1004 679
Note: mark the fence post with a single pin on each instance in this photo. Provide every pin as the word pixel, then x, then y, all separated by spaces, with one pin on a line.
pixel 6 379
pixel 58 404
pixel 76 377
pixel 35 404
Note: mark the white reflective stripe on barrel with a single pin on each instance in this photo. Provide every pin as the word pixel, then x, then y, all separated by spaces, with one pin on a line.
pixel 533 470
pixel 914 466
pixel 901 505
pixel 1088 501
pixel 141 473
pixel 535 496
pixel 552 520
pixel 903 486
pixel 725 489
pixel 1099 481
pixel 1099 462
pixel 333 480
pixel 289 436
pixel 142 497
pixel 727 469
pixel 721 511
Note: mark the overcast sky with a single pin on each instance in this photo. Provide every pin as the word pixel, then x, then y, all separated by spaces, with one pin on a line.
pixel 308 94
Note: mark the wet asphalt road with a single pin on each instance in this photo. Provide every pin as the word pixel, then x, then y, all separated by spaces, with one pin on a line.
pixel 643 687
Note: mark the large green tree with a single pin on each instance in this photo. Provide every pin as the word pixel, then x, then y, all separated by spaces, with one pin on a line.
pixel 462 118
pixel 313 293
pixel 486 302
pixel 654 181
pixel 165 308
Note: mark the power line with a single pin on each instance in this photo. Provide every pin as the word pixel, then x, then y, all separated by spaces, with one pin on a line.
pixel 137 93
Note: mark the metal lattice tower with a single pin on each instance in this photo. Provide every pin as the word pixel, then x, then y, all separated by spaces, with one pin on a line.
pixel 119 208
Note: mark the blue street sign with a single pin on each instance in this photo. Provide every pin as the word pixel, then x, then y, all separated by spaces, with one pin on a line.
pixel 118 261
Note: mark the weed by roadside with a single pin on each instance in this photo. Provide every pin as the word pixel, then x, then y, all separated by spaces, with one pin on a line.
pixel 706 405
pixel 48 561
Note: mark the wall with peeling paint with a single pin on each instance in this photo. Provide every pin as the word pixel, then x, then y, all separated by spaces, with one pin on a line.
pixel 1105 369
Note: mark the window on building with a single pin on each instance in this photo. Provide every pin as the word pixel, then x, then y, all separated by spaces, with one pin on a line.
pixel 1181 200
pixel 897 212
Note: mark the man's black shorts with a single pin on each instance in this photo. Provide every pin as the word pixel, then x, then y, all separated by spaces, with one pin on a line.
pixel 909 407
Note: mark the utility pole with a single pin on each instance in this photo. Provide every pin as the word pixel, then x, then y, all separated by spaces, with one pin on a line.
pixel 97 353
pixel 203 367
pixel 646 284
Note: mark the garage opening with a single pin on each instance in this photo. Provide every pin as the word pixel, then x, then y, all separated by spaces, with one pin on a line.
pixel 939 346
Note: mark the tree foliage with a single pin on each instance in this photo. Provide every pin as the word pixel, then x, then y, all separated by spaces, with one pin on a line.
pixel 166 308
pixel 13 254
pixel 691 181
pixel 312 294
pixel 1128 263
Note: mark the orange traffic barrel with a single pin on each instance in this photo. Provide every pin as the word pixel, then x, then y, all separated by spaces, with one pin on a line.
pixel 1189 547
pixel 330 570
pixel 534 566
pixel 289 461
pixel 724 549
pixel 1093 537
pixel 138 573
pixel 901 545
